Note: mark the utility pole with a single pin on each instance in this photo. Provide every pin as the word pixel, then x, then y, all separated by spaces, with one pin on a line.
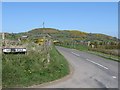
pixel 3 38
pixel 46 43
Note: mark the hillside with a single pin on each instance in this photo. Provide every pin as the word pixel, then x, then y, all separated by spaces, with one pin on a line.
pixel 69 34
pixel 62 35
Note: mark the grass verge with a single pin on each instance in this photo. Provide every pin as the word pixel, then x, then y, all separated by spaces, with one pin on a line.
pixel 31 69
pixel 78 47
pixel 85 48
pixel 107 56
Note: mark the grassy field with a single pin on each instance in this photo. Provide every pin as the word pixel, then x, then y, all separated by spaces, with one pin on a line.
pixel 78 47
pixel 31 69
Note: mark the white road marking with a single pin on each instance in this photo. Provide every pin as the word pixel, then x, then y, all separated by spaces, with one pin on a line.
pixel 91 61
pixel 114 77
pixel 96 63
pixel 75 54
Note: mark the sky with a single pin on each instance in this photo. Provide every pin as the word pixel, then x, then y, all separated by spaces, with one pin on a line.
pixel 90 17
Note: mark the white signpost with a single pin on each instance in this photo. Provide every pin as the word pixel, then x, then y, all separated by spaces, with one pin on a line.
pixel 14 50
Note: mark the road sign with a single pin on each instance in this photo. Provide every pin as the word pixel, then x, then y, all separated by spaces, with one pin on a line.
pixel 14 50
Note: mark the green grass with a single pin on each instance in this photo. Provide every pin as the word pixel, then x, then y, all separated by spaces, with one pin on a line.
pixel 30 69
pixel 78 47
pixel 0 70
pixel 85 48
pixel 107 56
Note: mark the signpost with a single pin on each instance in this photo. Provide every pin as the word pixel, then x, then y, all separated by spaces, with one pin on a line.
pixel 14 50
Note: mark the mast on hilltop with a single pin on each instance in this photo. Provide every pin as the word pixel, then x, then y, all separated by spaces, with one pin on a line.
pixel 43 25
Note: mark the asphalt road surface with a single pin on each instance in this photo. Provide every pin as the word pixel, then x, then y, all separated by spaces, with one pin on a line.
pixel 89 71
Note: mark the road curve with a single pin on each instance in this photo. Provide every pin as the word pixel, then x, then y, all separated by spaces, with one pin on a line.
pixel 90 71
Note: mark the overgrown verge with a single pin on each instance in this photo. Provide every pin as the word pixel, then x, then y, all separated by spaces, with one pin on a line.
pixel 107 56
pixel 30 69
pixel 114 52
pixel 110 54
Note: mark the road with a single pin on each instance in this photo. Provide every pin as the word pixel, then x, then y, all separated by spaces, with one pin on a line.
pixel 89 71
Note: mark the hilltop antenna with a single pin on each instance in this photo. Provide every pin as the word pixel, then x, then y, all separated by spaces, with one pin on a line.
pixel 43 25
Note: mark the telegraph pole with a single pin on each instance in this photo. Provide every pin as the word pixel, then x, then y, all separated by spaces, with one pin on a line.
pixel 3 38
pixel 46 44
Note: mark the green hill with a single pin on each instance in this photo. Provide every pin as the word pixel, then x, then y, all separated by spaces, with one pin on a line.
pixel 62 35
pixel 69 34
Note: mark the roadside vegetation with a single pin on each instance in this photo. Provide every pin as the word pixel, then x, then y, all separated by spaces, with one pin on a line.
pixel 0 70
pixel 107 56
pixel 110 50
pixel 21 70
pixel 77 46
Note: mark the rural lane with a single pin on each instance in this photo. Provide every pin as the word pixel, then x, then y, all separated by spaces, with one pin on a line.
pixel 89 71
